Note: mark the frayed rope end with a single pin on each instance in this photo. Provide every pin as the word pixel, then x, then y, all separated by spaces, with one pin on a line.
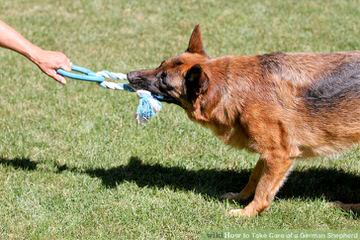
pixel 148 104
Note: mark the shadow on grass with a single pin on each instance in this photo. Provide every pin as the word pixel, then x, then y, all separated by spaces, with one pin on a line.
pixel 19 163
pixel 331 184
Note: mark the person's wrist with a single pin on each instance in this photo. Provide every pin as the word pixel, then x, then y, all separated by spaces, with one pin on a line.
pixel 34 54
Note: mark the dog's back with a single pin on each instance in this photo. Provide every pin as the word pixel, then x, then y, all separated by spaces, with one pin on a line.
pixel 325 113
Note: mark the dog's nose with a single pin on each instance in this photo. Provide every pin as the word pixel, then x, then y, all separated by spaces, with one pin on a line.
pixel 132 75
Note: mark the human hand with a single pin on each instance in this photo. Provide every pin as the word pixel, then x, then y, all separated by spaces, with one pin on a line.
pixel 49 62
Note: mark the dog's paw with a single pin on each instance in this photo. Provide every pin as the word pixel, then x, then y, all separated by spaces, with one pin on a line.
pixel 238 213
pixel 231 196
pixel 241 213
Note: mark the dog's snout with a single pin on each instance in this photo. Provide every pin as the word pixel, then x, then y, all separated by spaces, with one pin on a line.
pixel 131 76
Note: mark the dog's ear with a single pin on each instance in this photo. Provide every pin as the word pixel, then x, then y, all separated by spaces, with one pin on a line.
pixel 195 43
pixel 196 82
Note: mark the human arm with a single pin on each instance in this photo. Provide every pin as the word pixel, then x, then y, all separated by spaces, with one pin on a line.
pixel 47 61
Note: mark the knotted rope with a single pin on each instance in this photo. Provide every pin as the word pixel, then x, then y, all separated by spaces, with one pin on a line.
pixel 148 105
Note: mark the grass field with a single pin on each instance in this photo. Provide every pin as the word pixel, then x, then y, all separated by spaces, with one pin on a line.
pixel 73 162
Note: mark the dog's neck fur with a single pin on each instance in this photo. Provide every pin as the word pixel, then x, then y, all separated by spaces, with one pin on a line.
pixel 217 95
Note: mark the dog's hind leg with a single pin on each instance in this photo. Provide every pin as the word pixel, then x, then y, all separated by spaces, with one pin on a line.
pixel 250 187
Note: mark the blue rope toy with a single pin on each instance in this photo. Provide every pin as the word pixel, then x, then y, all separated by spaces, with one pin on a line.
pixel 149 104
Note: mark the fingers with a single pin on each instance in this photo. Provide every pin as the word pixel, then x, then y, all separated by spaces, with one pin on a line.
pixel 66 67
pixel 65 62
pixel 57 77
pixel 60 79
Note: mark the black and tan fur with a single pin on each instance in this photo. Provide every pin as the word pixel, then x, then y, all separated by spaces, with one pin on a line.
pixel 284 106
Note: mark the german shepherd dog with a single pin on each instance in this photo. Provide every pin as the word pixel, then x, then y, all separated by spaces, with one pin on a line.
pixel 282 106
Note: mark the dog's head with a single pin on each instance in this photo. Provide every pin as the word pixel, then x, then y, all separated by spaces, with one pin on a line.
pixel 181 79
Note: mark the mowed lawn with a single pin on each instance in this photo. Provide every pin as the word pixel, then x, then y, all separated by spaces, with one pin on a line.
pixel 74 163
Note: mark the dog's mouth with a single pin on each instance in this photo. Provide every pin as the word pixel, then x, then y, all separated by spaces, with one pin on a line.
pixel 167 99
pixel 140 83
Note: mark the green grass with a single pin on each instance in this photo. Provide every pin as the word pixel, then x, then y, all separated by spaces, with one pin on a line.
pixel 73 162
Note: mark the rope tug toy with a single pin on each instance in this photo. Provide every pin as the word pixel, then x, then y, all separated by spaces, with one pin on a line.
pixel 149 104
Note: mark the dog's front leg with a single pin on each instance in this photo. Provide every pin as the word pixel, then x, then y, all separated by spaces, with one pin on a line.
pixel 250 187
pixel 275 170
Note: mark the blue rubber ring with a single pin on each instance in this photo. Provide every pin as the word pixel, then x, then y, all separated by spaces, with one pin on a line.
pixel 87 75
